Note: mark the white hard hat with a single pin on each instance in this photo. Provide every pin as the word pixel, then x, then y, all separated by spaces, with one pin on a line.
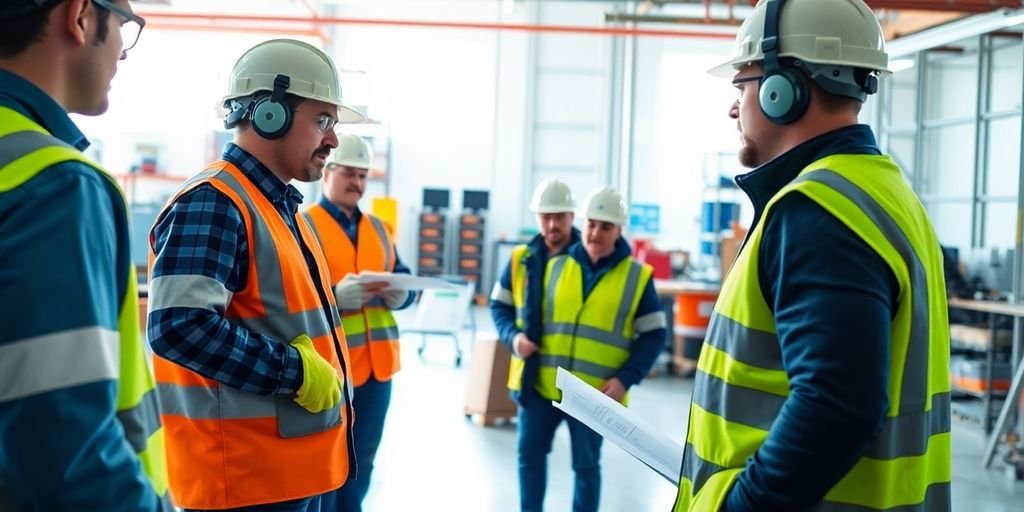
pixel 310 71
pixel 606 204
pixel 352 151
pixel 552 196
pixel 828 32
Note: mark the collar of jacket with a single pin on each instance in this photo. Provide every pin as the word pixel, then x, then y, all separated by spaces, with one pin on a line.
pixel 278 192
pixel 31 101
pixel 622 251
pixel 764 182
pixel 339 215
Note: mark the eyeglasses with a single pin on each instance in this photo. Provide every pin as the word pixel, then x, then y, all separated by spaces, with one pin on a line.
pixel 131 27
pixel 325 123
pixel 738 81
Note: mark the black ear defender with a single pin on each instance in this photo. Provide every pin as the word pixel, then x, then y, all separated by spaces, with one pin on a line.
pixel 784 93
pixel 271 117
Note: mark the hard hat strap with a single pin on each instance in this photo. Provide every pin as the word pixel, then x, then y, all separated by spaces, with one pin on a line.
pixel 281 83
pixel 770 41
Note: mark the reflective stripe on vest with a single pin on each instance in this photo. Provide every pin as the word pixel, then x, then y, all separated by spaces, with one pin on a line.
pixel 228 448
pixel 741 386
pixel 92 353
pixel 590 337
pixel 371 331
pixel 517 269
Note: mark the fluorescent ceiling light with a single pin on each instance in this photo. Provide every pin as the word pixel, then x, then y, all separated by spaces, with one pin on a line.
pixel 954 31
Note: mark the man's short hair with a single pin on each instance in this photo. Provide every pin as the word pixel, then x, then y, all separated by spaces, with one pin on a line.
pixel 834 104
pixel 19 32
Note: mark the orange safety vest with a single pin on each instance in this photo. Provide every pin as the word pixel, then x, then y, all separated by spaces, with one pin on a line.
pixel 371 331
pixel 227 448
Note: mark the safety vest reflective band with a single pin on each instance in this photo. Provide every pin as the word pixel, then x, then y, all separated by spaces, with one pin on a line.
pixel 92 353
pixel 227 448
pixel 371 331
pixel 741 385
pixel 591 338
pixel 518 270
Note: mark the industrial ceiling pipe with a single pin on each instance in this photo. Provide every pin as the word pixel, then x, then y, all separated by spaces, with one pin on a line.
pixel 168 20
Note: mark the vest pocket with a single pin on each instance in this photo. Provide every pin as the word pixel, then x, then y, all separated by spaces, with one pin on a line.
pixel 294 421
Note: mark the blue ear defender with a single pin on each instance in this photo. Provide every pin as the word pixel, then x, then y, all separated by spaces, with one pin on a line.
pixel 784 93
pixel 270 115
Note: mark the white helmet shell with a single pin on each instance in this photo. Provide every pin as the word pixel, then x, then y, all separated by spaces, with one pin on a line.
pixel 352 151
pixel 607 205
pixel 552 196
pixel 830 32
pixel 311 73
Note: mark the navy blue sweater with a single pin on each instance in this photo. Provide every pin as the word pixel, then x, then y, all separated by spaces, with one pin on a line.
pixel 833 298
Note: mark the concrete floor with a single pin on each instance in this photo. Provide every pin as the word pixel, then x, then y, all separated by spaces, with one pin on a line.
pixel 433 458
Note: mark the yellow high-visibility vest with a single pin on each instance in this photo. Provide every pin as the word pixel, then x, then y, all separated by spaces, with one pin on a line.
pixel 741 384
pixel 590 337
pixel 137 407
pixel 518 268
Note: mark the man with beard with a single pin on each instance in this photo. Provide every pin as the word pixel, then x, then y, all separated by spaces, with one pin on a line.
pixel 824 379
pixel 354 241
pixel 252 363
pixel 589 308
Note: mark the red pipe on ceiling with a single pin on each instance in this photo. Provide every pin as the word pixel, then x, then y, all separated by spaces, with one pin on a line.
pixel 965 6
pixel 267 23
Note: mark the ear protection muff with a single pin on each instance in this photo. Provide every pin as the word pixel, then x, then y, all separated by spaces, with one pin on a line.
pixel 270 115
pixel 784 93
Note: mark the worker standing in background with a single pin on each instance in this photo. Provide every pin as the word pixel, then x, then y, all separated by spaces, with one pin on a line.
pixel 824 380
pixel 254 372
pixel 354 241
pixel 79 419
pixel 603 322
pixel 516 303
pixel 516 298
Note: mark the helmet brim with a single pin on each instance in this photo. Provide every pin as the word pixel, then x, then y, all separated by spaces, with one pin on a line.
pixel 551 209
pixel 605 218
pixel 728 68
pixel 349 115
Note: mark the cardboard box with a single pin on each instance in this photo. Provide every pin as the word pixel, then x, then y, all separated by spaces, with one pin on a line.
pixel 143 302
pixel 729 248
pixel 487 392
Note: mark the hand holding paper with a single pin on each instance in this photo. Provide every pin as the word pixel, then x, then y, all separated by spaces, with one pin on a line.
pixel 619 425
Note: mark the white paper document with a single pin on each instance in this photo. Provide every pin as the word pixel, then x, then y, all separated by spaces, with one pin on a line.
pixel 403 281
pixel 619 425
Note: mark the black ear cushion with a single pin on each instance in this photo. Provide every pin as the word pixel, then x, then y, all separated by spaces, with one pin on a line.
pixel 784 96
pixel 270 119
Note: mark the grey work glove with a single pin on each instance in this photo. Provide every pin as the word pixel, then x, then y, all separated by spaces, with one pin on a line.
pixel 394 298
pixel 349 294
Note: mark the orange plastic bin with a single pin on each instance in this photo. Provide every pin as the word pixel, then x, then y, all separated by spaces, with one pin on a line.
pixel 693 312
